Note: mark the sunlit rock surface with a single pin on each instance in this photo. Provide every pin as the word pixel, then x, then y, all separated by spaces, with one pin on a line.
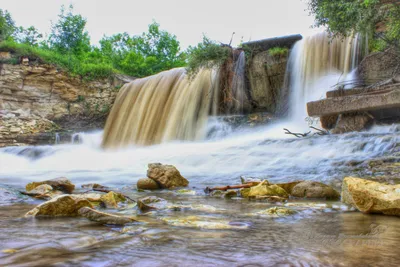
pixel 371 197
pixel 64 205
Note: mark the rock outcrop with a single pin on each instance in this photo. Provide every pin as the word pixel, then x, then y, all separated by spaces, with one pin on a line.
pixel 33 94
pixel 371 197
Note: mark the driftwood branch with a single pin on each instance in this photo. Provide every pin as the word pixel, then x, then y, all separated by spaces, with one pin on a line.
pixel 227 187
pixel 298 135
pixel 320 131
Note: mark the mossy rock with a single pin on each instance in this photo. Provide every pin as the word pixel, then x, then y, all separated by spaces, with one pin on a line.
pixel 267 190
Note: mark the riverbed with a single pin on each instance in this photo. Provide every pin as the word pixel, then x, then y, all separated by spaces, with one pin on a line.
pixel 202 230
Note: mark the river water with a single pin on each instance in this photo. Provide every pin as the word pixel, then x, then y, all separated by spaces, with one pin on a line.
pixel 228 231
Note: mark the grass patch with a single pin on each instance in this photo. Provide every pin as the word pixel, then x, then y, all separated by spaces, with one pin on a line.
pixel 76 66
pixel 278 51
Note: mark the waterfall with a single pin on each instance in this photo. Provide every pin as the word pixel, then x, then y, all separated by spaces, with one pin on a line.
pixel 238 84
pixel 162 107
pixel 317 63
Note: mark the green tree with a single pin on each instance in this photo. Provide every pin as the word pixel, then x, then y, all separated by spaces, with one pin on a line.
pixel 7 25
pixel 68 34
pixel 344 17
pixel 29 36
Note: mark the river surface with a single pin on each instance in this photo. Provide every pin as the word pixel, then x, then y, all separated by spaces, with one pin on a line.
pixel 227 231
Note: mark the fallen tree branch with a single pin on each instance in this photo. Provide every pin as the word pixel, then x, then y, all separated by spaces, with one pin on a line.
pixel 320 131
pixel 227 187
pixel 298 135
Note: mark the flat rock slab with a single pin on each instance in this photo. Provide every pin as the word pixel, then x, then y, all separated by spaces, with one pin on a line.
pixel 103 217
pixel 355 103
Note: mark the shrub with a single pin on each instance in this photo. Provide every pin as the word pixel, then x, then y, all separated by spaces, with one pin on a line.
pixel 278 51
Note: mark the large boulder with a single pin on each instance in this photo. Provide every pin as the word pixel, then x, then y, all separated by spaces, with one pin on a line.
pixel 167 176
pixel 64 205
pixel 61 183
pixel 371 197
pixel 312 189
pixel 103 217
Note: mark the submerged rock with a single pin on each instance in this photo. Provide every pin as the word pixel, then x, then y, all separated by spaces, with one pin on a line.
pixel 62 184
pixel 167 176
pixel 276 212
pixel 147 184
pixel 224 194
pixel 64 205
pixel 186 192
pixel 151 203
pixel 111 199
pixel 8 196
pixel 263 189
pixel 103 217
pixel 203 223
pixel 371 197
pixel 312 189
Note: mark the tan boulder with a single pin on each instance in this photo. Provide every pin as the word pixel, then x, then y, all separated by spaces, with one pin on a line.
pixel 263 189
pixel 147 184
pixel 61 183
pixel 103 217
pixel 312 189
pixel 371 197
pixel 167 176
pixel 64 205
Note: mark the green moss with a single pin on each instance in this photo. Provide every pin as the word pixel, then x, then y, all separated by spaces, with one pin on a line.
pixel 278 51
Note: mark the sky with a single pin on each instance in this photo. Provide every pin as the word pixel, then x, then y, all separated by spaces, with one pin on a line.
pixel 188 20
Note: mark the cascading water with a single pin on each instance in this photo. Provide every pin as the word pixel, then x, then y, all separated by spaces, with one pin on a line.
pixel 317 63
pixel 167 106
pixel 238 84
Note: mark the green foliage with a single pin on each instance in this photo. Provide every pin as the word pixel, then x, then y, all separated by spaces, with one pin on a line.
pixel 74 65
pixel 7 25
pixel 344 17
pixel 68 34
pixel 143 55
pixel 278 51
pixel 29 36
pixel 207 54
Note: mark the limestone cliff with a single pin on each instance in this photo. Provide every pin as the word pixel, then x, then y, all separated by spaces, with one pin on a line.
pixel 33 96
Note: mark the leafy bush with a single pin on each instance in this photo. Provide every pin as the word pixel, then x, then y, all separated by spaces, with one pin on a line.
pixel 207 54
pixel 278 51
